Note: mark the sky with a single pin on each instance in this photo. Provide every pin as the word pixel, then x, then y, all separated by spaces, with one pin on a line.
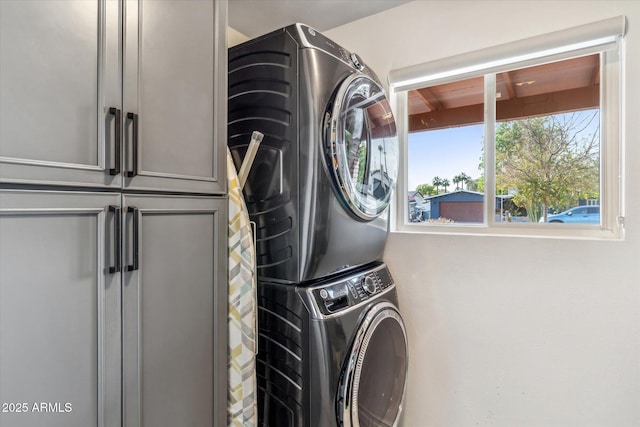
pixel 449 152
pixel 444 153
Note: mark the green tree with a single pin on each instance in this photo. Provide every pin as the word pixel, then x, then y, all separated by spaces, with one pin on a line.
pixel 437 183
pixel 465 180
pixel 445 183
pixel 476 184
pixel 461 178
pixel 457 180
pixel 546 162
pixel 426 189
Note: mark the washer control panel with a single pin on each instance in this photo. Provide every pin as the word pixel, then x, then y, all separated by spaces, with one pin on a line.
pixel 334 297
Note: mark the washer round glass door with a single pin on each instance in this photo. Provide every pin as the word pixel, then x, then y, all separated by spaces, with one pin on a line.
pixel 373 382
pixel 362 145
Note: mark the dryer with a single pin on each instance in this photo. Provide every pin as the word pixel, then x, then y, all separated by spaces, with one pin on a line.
pixel 332 354
pixel 322 178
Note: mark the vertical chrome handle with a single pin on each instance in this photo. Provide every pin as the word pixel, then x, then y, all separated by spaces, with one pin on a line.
pixel 135 237
pixel 134 145
pixel 117 222
pixel 117 141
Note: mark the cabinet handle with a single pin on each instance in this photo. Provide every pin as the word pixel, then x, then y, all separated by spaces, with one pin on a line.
pixel 136 228
pixel 134 145
pixel 117 222
pixel 116 113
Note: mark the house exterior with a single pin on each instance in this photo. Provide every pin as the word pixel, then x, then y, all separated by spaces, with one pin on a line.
pixel 419 207
pixel 458 206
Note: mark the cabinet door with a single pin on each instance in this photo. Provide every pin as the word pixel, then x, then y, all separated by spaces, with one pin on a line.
pixel 59 76
pixel 175 95
pixel 174 311
pixel 60 308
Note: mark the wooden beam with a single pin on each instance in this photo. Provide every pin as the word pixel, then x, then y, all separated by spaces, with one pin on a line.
pixel 549 103
pixel 429 98
pixel 595 79
pixel 509 85
pixel 512 109
pixel 470 114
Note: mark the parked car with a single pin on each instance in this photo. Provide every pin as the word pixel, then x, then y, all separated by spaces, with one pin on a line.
pixel 576 215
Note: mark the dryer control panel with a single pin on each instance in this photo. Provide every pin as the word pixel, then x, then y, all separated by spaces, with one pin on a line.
pixel 313 39
pixel 352 291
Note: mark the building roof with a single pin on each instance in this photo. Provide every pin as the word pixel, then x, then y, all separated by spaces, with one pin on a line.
pixel 453 193
pixel 413 194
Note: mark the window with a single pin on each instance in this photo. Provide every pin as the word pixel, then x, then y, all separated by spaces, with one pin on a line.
pixel 517 139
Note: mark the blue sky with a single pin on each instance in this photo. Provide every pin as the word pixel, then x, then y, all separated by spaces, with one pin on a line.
pixel 444 153
pixel 448 152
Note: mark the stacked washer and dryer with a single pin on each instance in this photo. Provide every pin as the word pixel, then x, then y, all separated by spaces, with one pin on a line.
pixel 332 344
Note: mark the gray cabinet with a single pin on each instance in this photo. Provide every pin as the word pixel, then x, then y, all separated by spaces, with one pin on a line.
pixel 60 322
pixel 112 309
pixel 175 88
pixel 113 295
pixel 59 74
pixel 174 311
pixel 118 94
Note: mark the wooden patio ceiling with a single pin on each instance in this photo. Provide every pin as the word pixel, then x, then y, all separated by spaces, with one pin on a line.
pixel 557 87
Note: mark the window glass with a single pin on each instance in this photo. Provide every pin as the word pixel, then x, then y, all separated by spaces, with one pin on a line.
pixel 546 151
pixel 445 149
pixel 547 139
pixel 533 126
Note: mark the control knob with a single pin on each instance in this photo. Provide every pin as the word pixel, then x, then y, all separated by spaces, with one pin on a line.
pixel 369 285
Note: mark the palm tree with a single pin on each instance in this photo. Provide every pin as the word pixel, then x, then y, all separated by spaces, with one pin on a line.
pixel 437 182
pixel 445 183
pixel 456 180
pixel 464 178
pixel 461 178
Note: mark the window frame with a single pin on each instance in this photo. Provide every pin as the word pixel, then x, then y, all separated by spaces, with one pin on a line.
pixel 603 37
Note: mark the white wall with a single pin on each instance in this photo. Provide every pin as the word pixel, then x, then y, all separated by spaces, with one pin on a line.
pixel 514 331
pixel 235 37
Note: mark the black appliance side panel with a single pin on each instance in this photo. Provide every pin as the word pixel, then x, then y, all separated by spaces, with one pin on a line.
pixel 263 96
pixel 282 362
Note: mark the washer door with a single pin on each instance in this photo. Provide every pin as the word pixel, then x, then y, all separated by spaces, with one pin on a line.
pixel 372 384
pixel 362 146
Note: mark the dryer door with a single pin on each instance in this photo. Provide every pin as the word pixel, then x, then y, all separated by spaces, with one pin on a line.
pixel 373 381
pixel 362 146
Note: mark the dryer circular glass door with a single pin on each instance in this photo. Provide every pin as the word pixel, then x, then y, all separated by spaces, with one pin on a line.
pixel 373 381
pixel 362 146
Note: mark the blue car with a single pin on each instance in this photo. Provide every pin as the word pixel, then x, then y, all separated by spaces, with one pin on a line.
pixel 576 215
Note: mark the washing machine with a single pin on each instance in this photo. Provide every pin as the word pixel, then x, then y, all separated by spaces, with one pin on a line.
pixel 321 181
pixel 333 353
